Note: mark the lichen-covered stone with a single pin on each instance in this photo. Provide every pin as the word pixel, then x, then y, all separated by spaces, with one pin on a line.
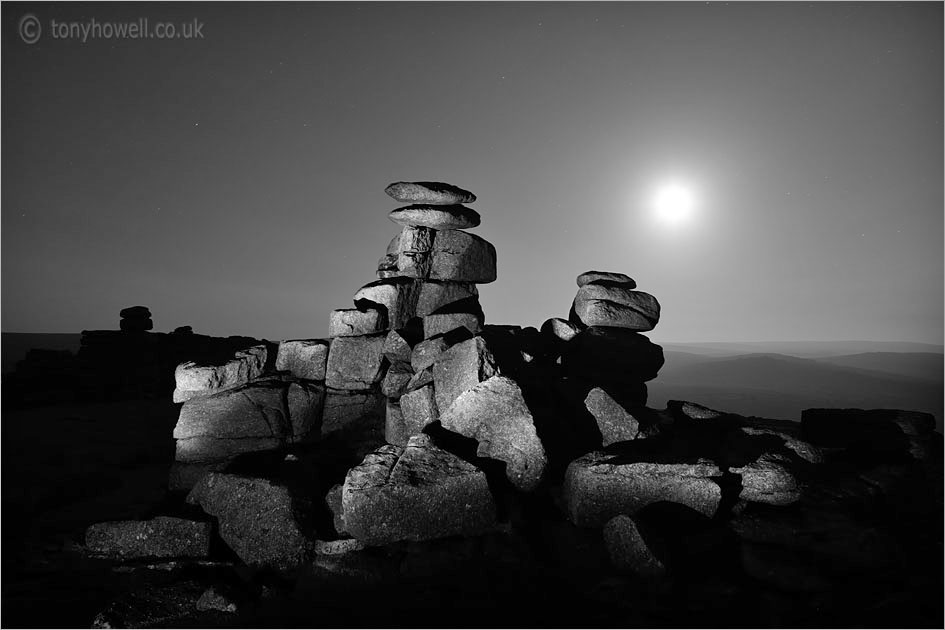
pixel 395 381
pixel 257 410
pixel 395 431
pixel 417 492
pixel 442 323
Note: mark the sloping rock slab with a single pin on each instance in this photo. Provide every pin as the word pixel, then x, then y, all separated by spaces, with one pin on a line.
pixel 460 368
pixel 418 492
pixel 494 413
pixel 193 380
pixel 597 487
pixel 259 520
pixel 257 410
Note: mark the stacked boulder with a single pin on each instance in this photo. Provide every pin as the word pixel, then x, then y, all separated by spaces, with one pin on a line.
pixel 419 333
pixel 135 319
pixel 605 360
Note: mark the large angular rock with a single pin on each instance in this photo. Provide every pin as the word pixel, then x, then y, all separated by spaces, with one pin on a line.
pixel 355 363
pixel 460 368
pixel 160 537
pixel 494 413
pixel 600 304
pixel 599 487
pixel 398 296
pixel 418 492
pixel 352 322
pixel 615 423
pixel 432 193
pixel 455 217
pixel 258 519
pixel 195 380
pixel 462 257
pixel 419 409
pixel 628 551
pixel 303 358
pixel 257 410
pixel 606 276
pixel 600 354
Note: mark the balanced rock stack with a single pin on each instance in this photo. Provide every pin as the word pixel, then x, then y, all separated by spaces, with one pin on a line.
pixel 605 358
pixel 136 319
pixel 424 301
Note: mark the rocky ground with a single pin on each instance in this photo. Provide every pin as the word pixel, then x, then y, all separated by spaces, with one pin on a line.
pixel 877 562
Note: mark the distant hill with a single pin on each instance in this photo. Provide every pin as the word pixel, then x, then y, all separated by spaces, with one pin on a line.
pixel 803 349
pixel 14 346
pixel 781 386
pixel 920 365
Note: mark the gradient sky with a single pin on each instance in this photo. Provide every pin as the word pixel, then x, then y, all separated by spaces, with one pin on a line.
pixel 235 183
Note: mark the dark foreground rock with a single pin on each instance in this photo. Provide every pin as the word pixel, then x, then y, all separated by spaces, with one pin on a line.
pixel 261 521
pixel 160 537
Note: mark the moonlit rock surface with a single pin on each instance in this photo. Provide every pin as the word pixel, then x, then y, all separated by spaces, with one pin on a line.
pixel 460 368
pixel 195 380
pixel 560 328
pixel 455 217
pixel 417 492
pixel 494 413
pixel 608 305
pixel 303 358
pixel 597 487
pixel 355 362
pixel 352 322
pixel 609 276
pixel 615 423
pixel 433 193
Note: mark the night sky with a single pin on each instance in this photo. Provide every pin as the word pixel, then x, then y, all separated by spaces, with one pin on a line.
pixel 235 183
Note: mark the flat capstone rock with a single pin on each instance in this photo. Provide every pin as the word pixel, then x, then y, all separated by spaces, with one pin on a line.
pixel 454 217
pixel 606 276
pixel 432 193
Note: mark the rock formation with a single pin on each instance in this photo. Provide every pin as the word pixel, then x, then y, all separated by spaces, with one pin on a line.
pixel 376 455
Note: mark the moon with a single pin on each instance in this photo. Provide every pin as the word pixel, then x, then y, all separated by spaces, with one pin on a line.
pixel 673 204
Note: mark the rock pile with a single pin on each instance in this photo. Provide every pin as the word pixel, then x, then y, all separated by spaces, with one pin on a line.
pixel 420 424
